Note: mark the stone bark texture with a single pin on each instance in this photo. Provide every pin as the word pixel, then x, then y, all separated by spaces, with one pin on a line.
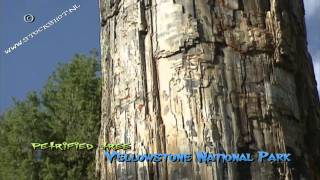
pixel 181 76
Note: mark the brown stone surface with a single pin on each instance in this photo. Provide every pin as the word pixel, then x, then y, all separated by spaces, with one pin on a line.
pixel 181 76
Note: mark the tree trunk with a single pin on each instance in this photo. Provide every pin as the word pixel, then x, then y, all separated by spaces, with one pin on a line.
pixel 182 76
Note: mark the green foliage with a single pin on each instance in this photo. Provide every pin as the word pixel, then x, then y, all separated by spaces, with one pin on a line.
pixel 66 110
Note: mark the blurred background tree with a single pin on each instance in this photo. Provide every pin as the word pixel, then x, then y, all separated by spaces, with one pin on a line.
pixel 66 110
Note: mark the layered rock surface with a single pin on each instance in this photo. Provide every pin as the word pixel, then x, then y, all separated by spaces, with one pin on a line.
pixel 181 76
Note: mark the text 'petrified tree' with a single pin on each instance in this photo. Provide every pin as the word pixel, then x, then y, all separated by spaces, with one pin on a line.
pixel 209 75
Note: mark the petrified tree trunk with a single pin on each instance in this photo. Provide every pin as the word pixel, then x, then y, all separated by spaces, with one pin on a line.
pixel 181 76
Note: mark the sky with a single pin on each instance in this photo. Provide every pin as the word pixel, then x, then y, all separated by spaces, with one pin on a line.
pixel 28 67
pixel 312 16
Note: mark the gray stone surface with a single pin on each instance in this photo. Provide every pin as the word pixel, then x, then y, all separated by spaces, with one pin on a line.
pixel 221 76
